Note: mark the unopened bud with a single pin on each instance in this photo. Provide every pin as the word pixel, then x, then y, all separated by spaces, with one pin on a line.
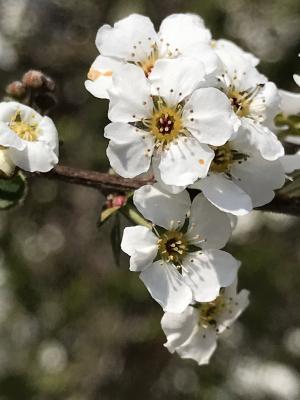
pixel 16 89
pixel 114 200
pixel 33 79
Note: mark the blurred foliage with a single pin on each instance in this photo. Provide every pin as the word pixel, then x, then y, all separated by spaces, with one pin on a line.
pixel 72 325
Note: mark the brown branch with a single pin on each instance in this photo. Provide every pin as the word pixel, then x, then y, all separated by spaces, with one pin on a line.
pixel 107 182
pixel 94 179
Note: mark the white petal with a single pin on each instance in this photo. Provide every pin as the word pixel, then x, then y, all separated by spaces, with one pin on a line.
pixel 259 178
pixel 100 76
pixel 230 47
pixel 290 102
pixel 8 138
pixel 209 223
pixel 297 79
pixel 157 175
pixel 175 79
pixel 185 161
pixel 206 272
pixel 266 103
pixel 163 209
pixel 48 133
pixel 36 156
pixel 208 116
pixel 141 244
pixel 182 32
pixel 263 139
pixel 129 150
pixel 130 95
pixel 236 305
pixel 178 327
pixel 290 163
pixel 225 194
pixel 200 346
pixel 166 286
pixel 119 41
pixel 8 110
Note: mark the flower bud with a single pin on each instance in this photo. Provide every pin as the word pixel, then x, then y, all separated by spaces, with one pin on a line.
pixel 33 79
pixel 16 89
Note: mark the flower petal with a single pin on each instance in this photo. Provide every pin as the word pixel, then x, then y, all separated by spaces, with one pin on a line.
pixel 100 76
pixel 185 161
pixel 259 178
pixel 128 39
pixel 166 286
pixel 175 79
pixel 178 327
pixel 140 243
pixel 291 162
pixel 129 103
pixel 236 305
pixel 225 194
pixel 263 139
pixel 157 175
pixel 36 156
pixel 200 346
pixel 290 102
pixel 8 138
pixel 209 223
pixel 209 117
pixel 229 47
pixel 163 209
pixel 129 150
pixel 206 272
pixel 182 32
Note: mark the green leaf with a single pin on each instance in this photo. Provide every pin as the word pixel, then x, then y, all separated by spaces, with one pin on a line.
pixel 12 191
pixel 115 239
pixel 131 213
pixel 106 213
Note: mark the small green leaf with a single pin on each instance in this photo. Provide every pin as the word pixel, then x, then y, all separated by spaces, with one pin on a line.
pixel 106 213
pixel 131 213
pixel 115 239
pixel 12 191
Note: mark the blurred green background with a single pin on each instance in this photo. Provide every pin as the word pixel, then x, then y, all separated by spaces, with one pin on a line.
pixel 74 326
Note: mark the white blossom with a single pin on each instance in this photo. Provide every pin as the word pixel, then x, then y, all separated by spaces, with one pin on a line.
pixel 134 40
pixel 239 178
pixel 168 119
pixel 254 100
pixel 179 259
pixel 31 140
pixel 193 333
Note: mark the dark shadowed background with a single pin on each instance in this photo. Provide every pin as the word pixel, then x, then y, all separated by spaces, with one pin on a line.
pixel 73 325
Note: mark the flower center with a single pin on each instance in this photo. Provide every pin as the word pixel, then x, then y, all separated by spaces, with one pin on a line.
pixel 148 63
pixel 172 247
pixel 240 102
pixel 225 157
pixel 24 130
pixel 209 311
pixel 166 125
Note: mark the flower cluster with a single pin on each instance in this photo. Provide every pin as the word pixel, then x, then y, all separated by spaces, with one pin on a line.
pixel 196 115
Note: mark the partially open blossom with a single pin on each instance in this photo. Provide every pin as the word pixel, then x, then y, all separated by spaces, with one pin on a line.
pixel 179 259
pixel 134 40
pixel 194 332
pixel 168 119
pixel 31 140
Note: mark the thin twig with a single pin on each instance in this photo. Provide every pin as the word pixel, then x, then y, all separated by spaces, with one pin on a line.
pixel 102 181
